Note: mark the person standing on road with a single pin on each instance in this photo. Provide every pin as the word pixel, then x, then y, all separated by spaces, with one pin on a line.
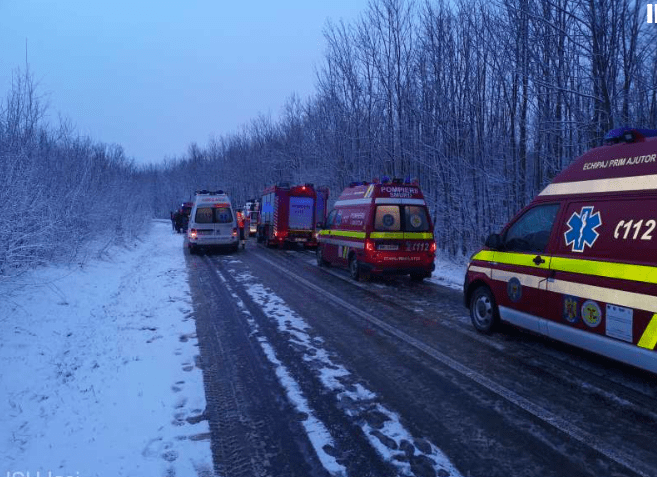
pixel 240 225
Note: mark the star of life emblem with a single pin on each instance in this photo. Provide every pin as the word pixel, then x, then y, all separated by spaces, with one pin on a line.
pixel 582 229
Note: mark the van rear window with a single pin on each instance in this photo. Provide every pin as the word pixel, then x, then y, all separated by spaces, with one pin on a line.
pixel 387 218
pixel 416 219
pixel 217 215
pixel 401 218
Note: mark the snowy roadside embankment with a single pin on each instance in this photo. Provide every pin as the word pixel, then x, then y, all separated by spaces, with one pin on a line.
pixel 449 272
pixel 97 369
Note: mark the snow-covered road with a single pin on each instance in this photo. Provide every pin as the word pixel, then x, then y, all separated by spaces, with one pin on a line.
pixel 97 369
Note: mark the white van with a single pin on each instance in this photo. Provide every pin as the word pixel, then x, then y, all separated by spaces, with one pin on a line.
pixel 212 222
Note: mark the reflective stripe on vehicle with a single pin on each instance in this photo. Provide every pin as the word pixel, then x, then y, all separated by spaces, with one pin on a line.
pixel 352 202
pixel 418 235
pixel 402 235
pixel 394 200
pixel 649 338
pixel 342 233
pixel 619 184
pixel 387 235
pixel 589 292
pixel 623 271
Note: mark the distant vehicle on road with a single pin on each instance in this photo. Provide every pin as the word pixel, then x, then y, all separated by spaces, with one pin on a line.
pixel 212 222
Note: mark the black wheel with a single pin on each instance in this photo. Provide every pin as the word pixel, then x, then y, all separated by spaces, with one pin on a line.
pixel 483 310
pixel 418 277
pixel 320 258
pixel 192 250
pixel 354 268
pixel 236 247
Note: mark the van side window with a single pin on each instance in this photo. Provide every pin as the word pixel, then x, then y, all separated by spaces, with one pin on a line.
pixel 331 219
pixel 387 218
pixel 531 232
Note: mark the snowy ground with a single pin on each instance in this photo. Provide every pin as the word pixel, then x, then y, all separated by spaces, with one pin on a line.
pixel 97 368
pixel 449 273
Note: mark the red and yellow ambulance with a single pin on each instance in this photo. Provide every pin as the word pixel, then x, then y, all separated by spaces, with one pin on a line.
pixel 579 264
pixel 379 228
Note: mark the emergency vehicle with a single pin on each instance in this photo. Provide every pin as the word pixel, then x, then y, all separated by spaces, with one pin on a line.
pixel 287 215
pixel 579 264
pixel 379 228
pixel 252 209
pixel 212 222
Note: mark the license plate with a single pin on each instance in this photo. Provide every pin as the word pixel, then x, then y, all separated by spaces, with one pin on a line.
pixel 300 240
pixel 388 247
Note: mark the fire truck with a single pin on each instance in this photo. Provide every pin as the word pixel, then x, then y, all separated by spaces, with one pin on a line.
pixel 288 214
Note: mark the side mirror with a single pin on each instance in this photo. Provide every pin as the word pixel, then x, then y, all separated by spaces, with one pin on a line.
pixel 494 242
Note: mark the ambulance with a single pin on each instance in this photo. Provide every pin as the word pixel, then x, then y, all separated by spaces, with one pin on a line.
pixel 212 222
pixel 379 228
pixel 579 264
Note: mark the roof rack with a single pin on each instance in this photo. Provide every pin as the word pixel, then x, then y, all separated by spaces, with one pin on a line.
pixel 209 192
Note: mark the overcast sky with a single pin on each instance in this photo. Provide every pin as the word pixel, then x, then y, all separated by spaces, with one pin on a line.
pixel 156 75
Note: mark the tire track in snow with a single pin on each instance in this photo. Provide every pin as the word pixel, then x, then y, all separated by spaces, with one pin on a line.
pixel 381 427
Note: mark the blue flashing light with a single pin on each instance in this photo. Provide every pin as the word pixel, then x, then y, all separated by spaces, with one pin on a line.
pixel 627 134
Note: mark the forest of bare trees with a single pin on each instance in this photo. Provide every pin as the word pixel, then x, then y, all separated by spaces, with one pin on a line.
pixel 484 102
pixel 62 196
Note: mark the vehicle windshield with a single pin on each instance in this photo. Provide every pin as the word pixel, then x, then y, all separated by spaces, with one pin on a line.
pixel 401 218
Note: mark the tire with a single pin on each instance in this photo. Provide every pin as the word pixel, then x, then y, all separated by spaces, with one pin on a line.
pixel 320 258
pixel 418 277
pixel 483 310
pixel 192 250
pixel 236 248
pixel 354 268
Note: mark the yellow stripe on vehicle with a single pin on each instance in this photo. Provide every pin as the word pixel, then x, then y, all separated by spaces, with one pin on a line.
pixel 509 258
pixel 417 235
pixel 346 233
pixel 387 235
pixel 623 271
pixel 485 256
pixel 649 338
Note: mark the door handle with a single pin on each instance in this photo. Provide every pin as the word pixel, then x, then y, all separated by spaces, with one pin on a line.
pixel 538 260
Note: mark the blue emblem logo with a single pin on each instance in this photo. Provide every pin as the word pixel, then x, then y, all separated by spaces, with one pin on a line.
pixel 582 227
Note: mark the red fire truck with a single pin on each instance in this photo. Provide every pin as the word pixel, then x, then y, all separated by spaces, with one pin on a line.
pixel 288 215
